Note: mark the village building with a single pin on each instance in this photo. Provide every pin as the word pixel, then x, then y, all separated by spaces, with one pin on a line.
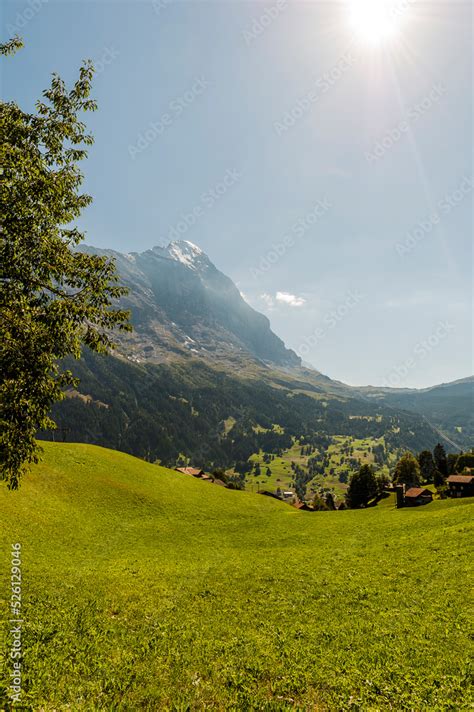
pixel 267 493
pixel 417 495
pixel 193 471
pixel 200 474
pixel 303 507
pixel 460 485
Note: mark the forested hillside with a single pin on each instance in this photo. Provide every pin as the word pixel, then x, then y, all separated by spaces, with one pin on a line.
pixel 163 411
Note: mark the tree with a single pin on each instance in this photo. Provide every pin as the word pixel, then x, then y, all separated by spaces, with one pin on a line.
pixel 256 470
pixel 464 460
pixel 300 489
pixel 268 472
pixel 383 484
pixel 362 488
pixel 407 471
pixel 54 299
pixel 320 504
pixel 441 461
pixel 452 462
pixel 219 474
pixel 243 467
pixel 329 499
pixel 427 466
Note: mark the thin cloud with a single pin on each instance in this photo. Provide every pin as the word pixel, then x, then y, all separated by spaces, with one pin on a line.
pixel 268 299
pixel 291 299
pixel 286 298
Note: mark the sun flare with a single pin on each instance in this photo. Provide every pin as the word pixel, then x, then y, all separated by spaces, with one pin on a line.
pixel 376 22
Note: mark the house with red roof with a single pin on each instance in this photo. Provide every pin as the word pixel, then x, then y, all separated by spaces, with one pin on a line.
pixel 193 471
pixel 417 495
pixel 460 485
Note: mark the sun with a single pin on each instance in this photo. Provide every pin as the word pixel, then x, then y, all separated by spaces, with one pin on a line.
pixel 376 22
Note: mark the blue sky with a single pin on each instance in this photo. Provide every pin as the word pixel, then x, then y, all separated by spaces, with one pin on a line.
pixel 330 179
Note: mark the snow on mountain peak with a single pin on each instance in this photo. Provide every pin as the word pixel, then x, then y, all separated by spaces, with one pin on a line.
pixel 185 252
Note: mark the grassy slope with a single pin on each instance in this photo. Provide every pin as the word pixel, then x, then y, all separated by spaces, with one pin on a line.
pixel 146 589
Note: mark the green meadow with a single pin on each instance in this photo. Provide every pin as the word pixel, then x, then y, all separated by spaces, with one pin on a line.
pixel 282 475
pixel 145 589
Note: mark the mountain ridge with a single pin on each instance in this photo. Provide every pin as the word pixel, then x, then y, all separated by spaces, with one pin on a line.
pixel 181 303
pixel 135 268
pixel 194 375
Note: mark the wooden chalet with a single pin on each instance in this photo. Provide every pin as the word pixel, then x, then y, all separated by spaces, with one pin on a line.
pixel 460 485
pixel 303 507
pixel 417 495
pixel 193 471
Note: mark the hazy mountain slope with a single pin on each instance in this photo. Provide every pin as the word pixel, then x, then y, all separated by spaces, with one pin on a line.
pixel 200 358
pixel 449 406
pixel 181 303
pixel 216 418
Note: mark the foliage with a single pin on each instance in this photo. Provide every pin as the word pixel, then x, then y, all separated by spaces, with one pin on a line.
pixel 452 462
pixel 329 499
pixel 383 483
pixel 362 488
pixel 319 503
pixel 427 466
pixel 439 454
pixel 53 298
pixel 466 460
pixel 11 46
pixel 407 471
pixel 236 482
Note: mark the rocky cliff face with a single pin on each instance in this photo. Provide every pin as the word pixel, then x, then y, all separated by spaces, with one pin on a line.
pixel 181 303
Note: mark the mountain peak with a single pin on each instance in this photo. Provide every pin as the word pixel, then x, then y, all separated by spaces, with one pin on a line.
pixel 183 251
pixel 180 303
pixel 187 245
pixel 187 253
